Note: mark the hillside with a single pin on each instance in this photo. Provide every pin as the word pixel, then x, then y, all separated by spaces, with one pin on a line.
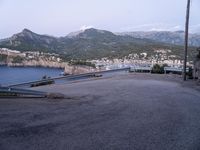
pixel 89 44
pixel 28 40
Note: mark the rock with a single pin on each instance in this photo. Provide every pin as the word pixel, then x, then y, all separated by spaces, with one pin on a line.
pixel 76 69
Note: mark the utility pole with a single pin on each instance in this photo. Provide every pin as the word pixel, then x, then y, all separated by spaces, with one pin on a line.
pixel 186 39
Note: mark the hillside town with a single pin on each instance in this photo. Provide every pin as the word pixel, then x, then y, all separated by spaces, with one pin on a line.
pixel 136 62
pixel 35 58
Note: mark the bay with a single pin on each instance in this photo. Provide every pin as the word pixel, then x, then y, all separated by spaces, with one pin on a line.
pixel 14 75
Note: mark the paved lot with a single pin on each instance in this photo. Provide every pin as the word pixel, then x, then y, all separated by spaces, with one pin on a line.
pixel 120 113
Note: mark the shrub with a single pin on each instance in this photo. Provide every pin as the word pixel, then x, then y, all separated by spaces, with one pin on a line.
pixel 17 59
pixel 3 58
pixel 158 68
pixel 190 73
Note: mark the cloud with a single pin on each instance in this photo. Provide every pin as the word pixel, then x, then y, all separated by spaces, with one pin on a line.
pixel 84 27
pixel 161 27
pixel 154 27
pixel 167 28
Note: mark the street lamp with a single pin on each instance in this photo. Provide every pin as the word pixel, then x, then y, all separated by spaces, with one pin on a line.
pixel 186 39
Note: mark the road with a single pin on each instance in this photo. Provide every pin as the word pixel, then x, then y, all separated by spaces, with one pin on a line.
pixel 127 112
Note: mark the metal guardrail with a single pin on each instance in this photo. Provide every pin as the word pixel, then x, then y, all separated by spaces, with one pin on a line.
pixel 92 74
pixel 10 91
pixel 6 91
pixel 174 69
pixel 29 83
pixel 169 69
pixel 138 68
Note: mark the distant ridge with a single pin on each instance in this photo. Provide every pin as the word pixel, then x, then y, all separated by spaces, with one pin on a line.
pixel 176 37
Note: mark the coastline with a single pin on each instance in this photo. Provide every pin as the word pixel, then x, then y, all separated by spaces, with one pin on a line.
pixel 36 64
pixel 26 66
pixel 69 69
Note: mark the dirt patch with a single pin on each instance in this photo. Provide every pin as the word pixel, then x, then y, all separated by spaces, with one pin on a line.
pixel 55 96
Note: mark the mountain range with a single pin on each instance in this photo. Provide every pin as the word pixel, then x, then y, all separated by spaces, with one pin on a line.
pixel 176 37
pixel 95 44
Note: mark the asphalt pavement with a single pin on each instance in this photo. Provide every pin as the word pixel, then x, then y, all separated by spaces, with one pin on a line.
pixel 120 113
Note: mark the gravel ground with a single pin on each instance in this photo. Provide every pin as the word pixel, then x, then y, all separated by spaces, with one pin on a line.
pixel 126 112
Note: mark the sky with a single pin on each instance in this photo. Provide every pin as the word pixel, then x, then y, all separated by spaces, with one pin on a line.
pixel 60 17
